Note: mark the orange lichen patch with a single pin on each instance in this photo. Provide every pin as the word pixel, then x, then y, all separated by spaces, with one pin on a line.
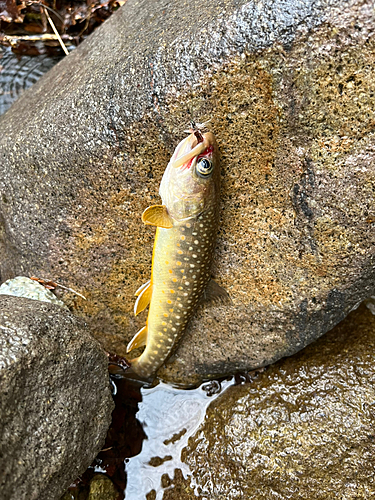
pixel 335 144
pixel 247 129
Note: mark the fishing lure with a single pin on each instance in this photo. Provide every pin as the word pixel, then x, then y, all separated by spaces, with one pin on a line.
pixel 187 223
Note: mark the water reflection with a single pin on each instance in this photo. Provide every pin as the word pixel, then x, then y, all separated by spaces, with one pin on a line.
pixel 150 428
pixel 169 416
pixel 19 72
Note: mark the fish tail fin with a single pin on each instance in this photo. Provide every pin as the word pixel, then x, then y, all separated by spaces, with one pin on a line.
pixel 132 374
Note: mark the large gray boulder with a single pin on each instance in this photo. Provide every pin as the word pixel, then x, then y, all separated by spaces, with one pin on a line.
pixel 55 399
pixel 289 89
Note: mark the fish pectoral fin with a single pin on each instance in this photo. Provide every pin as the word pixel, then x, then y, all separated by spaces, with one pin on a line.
pixel 138 292
pixel 157 215
pixel 143 299
pixel 216 293
pixel 139 339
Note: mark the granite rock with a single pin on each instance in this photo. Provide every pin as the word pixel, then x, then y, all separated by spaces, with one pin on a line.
pixel 55 399
pixel 289 88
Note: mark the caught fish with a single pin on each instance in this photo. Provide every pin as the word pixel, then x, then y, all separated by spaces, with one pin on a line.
pixel 187 223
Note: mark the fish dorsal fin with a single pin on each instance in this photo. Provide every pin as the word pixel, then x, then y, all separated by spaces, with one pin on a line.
pixel 139 339
pixel 143 299
pixel 157 215
pixel 215 293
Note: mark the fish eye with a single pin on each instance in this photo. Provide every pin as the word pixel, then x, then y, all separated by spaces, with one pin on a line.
pixel 204 167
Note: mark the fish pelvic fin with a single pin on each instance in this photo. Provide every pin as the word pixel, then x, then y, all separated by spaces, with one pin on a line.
pixel 142 287
pixel 157 215
pixel 139 340
pixel 144 298
pixel 216 293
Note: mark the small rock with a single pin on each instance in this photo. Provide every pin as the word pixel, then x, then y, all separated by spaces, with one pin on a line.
pixel 102 488
pixel 55 399
pixel 21 286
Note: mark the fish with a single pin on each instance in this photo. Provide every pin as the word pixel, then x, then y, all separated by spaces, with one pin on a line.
pixel 187 224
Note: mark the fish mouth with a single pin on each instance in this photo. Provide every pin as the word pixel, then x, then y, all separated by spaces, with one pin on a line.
pixel 189 148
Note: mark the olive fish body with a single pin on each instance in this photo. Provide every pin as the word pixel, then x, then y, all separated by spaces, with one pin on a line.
pixel 187 224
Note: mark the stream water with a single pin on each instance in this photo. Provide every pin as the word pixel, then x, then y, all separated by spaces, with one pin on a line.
pixel 169 417
pixel 19 72
pixel 150 428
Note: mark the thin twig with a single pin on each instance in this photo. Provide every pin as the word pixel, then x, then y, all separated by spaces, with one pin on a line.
pixel 51 285
pixel 13 40
pixel 56 32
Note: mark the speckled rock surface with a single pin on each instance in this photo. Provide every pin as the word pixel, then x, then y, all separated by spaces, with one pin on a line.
pixel 21 286
pixel 289 87
pixel 303 429
pixel 55 399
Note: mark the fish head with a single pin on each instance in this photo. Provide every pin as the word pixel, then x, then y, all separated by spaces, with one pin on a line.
pixel 191 181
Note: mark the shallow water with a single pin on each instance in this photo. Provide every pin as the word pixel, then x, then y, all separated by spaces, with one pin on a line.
pixel 19 72
pixel 169 416
pixel 150 428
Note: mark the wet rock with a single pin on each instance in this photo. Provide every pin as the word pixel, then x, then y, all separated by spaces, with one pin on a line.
pixel 21 286
pixel 302 429
pixel 289 89
pixel 55 399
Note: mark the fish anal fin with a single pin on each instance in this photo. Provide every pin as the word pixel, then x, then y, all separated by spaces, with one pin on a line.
pixel 138 292
pixel 143 299
pixel 139 340
pixel 216 293
pixel 157 215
